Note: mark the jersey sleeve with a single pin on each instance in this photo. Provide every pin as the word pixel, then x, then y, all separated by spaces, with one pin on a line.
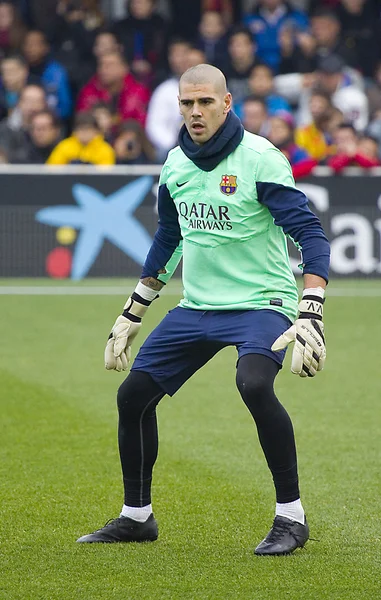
pixel 166 250
pixel 289 208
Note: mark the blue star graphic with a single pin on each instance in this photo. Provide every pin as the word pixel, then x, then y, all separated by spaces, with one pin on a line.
pixel 100 217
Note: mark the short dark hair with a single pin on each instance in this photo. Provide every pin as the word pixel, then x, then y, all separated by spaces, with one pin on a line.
pixel 347 125
pixel 177 39
pixel 85 119
pixel 257 99
pixel 40 32
pixel 14 56
pixel 55 120
pixel 325 13
pixel 261 66
pixel 241 30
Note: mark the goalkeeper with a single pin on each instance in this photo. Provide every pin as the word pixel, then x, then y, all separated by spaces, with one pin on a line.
pixel 227 200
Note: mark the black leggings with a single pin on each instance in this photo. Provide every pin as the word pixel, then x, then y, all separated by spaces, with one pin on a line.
pixel 139 395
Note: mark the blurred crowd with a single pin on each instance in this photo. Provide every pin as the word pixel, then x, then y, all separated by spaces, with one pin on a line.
pixel 79 88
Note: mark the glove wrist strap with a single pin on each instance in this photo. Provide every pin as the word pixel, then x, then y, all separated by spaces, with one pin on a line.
pixel 137 304
pixel 135 307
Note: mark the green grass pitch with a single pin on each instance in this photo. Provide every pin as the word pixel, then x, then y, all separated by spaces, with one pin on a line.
pixel 212 493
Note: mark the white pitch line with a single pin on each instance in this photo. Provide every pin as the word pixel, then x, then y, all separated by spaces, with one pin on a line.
pixel 170 291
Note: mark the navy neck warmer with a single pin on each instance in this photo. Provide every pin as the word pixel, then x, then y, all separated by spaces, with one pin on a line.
pixel 221 144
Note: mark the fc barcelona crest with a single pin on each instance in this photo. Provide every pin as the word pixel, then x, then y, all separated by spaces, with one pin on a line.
pixel 228 184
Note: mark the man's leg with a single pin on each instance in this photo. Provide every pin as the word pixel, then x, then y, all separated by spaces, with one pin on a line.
pixel 137 399
pixel 255 381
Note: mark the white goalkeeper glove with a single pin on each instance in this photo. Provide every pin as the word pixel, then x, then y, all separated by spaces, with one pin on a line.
pixel 308 355
pixel 126 327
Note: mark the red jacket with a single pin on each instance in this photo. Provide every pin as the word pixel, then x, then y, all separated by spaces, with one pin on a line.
pixel 132 102
pixel 340 161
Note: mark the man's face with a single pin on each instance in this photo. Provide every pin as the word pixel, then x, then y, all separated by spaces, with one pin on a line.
pixel 43 131
pixel 35 47
pixel 241 47
pixel 14 74
pixel 85 134
pixel 203 109
pixel 141 9
pixel 104 44
pixel 32 100
pixel 211 25
pixel 319 106
pixel 344 140
pixel 261 81
pixel 254 116
pixel 369 148
pixel 329 81
pixel 111 69
pixel 271 4
pixel 279 133
pixel 178 58
pixel 325 30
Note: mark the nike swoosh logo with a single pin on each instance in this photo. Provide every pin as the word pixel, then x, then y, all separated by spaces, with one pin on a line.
pixel 181 184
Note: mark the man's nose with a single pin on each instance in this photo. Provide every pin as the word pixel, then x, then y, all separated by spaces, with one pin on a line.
pixel 196 111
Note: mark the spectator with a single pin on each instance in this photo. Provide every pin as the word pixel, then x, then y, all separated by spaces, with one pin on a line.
pixel 267 21
pixel 12 29
pixel 14 131
pixel 261 83
pixel 326 29
pixel 44 134
pixel 332 76
pixel 226 8
pixel 374 91
pixel 348 153
pixel 315 138
pixel 360 31
pixel 105 120
pixel 143 35
pixel 73 34
pixel 163 119
pixel 297 50
pixel 114 84
pixel 132 146
pixel 281 134
pixel 368 147
pixel 212 38
pixel 85 146
pixel 195 57
pixel 53 75
pixel 14 77
pixel 255 117
pixel 346 97
pixel 241 60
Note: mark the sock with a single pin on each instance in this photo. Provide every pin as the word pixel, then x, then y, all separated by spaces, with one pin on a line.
pixel 291 510
pixel 137 513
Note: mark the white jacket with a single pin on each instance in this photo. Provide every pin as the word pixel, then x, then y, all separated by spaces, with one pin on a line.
pixel 163 117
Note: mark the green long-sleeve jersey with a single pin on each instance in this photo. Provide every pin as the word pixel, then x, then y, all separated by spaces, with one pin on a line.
pixel 230 227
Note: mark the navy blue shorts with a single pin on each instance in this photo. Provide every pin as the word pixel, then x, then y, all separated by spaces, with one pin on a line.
pixel 186 339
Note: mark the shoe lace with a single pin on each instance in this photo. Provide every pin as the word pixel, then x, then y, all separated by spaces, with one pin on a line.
pixel 278 529
pixel 281 527
pixel 108 523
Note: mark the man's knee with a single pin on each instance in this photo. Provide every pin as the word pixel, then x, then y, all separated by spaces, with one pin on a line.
pixel 255 378
pixel 136 393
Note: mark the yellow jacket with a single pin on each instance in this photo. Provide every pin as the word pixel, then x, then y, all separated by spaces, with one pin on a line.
pixel 71 151
pixel 312 140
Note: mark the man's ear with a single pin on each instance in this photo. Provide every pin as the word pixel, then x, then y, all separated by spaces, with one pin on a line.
pixel 228 103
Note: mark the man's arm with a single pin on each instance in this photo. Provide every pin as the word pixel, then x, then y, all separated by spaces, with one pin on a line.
pixel 162 260
pixel 289 208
